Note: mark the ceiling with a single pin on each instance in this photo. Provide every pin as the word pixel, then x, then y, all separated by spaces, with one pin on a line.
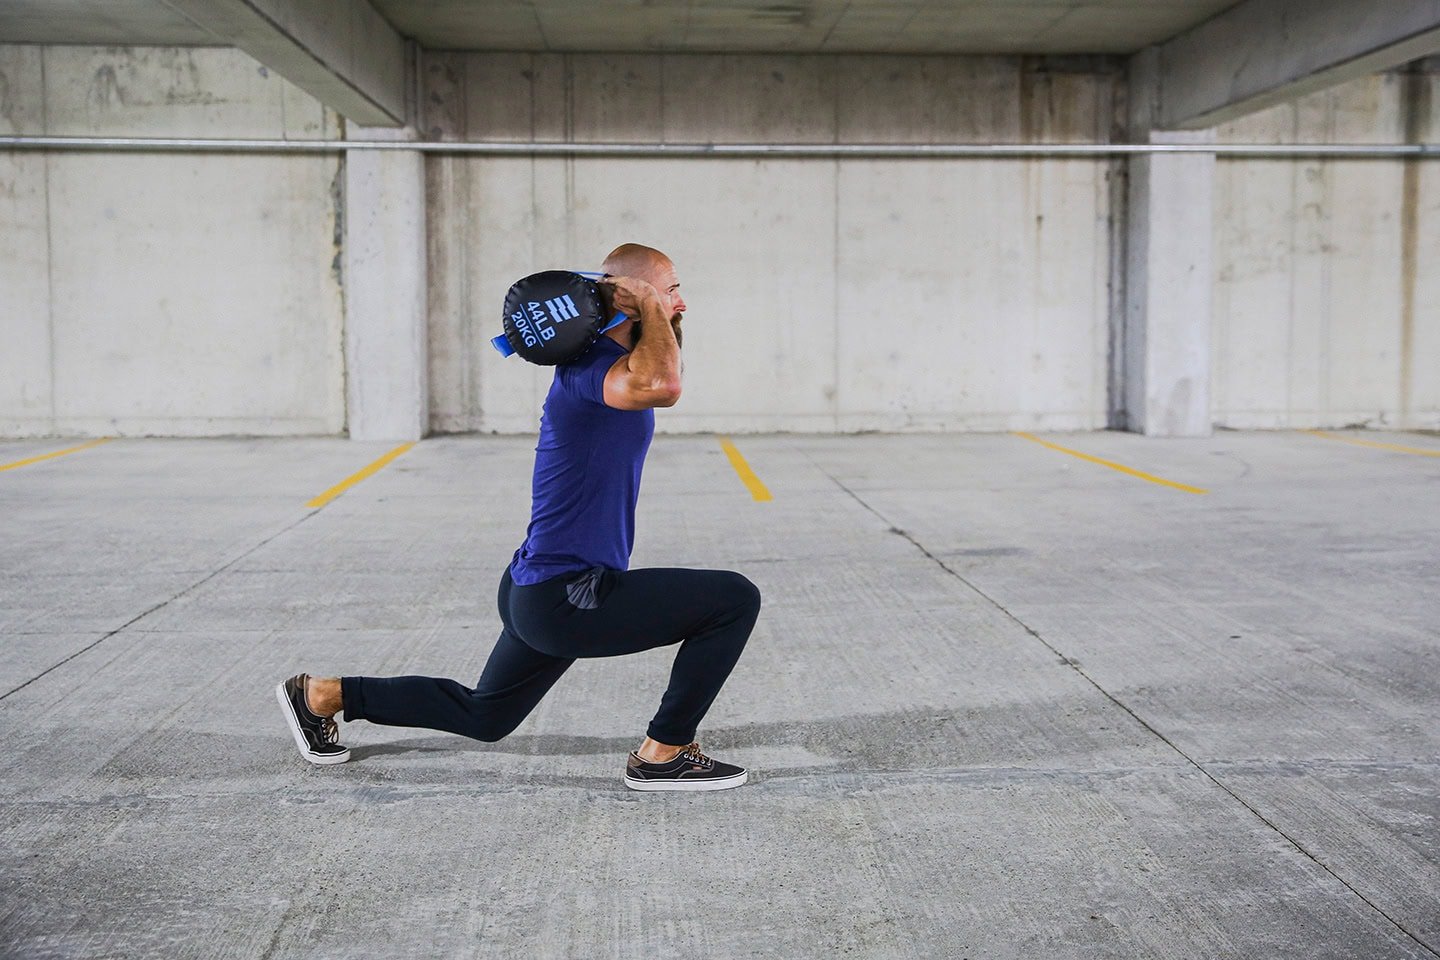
pixel 800 26
pixel 98 21
pixel 796 26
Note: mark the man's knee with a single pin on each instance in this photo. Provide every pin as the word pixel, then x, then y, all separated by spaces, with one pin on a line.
pixel 743 594
pixel 489 729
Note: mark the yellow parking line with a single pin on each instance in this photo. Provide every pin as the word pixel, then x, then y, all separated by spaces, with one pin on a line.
pixel 1418 451
pixel 747 476
pixel 355 478
pixel 52 456
pixel 1113 465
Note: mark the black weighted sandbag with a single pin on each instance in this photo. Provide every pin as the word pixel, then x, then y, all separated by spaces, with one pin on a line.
pixel 553 317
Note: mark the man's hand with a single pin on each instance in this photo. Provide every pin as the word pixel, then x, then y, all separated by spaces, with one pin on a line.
pixel 649 375
pixel 630 294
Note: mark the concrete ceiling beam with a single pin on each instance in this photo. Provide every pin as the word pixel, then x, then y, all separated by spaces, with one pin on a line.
pixel 342 52
pixel 1263 52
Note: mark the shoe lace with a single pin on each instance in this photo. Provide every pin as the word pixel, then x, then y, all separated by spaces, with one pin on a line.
pixel 693 754
pixel 329 731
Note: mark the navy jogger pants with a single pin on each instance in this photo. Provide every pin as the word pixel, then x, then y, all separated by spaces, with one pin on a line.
pixel 597 613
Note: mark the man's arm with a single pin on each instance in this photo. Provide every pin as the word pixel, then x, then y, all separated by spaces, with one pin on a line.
pixel 649 375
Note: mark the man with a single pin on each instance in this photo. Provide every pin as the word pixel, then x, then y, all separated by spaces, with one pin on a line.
pixel 569 593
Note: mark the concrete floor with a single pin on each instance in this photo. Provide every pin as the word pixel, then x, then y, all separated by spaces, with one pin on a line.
pixel 1001 702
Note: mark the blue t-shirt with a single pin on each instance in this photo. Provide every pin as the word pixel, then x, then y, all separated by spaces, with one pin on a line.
pixel 587 474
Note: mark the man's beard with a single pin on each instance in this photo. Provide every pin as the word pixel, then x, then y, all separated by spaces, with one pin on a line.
pixel 636 331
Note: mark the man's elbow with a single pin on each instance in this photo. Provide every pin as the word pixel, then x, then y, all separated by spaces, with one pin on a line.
pixel 667 394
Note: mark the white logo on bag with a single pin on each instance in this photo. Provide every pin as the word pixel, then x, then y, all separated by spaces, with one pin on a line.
pixel 562 309
pixel 532 324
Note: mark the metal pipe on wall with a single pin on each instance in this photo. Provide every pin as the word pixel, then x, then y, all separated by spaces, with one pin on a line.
pixel 831 151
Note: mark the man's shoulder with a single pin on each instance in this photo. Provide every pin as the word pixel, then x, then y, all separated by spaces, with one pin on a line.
pixel 584 377
pixel 603 348
pixel 602 353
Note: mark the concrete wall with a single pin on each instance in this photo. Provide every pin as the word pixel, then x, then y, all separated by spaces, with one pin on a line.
pixel 165 294
pixel 199 294
pixel 1327 296
pixel 823 295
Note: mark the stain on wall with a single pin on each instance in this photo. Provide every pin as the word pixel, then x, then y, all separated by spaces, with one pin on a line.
pixel 167 294
pixel 1324 314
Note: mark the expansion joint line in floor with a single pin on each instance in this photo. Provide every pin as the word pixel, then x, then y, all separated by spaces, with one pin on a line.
pixel 161 605
pixel 1074 665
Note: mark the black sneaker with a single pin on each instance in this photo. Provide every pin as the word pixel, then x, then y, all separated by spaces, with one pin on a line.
pixel 315 736
pixel 691 770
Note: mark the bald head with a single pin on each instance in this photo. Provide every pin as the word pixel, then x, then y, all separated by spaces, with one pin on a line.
pixel 648 264
pixel 635 260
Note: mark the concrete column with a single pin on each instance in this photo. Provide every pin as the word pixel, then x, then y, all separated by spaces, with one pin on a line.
pixel 1169 276
pixel 386 279
pixel 386 344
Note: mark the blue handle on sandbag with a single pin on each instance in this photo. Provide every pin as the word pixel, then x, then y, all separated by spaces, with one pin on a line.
pixel 502 343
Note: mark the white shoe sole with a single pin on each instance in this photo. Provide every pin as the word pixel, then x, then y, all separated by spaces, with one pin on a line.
pixel 688 785
pixel 319 759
